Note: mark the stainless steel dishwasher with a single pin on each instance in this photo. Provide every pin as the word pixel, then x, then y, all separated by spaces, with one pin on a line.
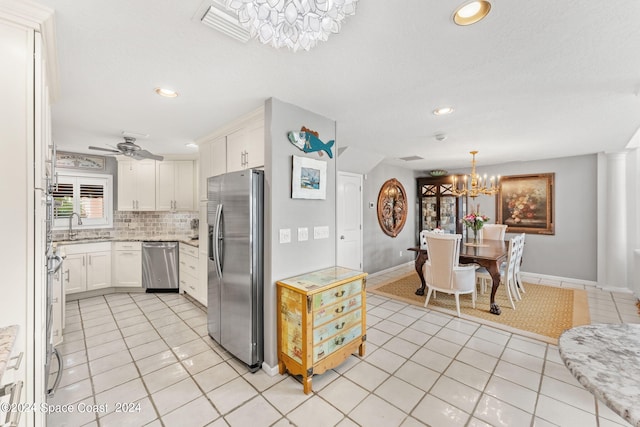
pixel 160 266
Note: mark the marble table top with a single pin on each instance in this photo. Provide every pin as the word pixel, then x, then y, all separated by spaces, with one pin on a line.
pixel 605 358
pixel 7 339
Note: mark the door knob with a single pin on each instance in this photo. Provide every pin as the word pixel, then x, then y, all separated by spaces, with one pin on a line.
pixel 341 237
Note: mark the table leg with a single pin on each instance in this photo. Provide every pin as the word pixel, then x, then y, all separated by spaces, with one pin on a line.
pixel 421 258
pixel 494 270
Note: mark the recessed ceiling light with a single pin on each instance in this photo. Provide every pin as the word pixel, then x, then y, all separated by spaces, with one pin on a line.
pixel 442 111
pixel 471 13
pixel 167 93
pixel 191 145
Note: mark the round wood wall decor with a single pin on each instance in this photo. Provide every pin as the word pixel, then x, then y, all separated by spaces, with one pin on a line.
pixel 392 207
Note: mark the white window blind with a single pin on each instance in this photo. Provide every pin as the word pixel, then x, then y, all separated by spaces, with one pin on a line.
pixel 89 195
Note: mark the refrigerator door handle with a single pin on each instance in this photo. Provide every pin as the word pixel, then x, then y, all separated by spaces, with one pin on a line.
pixel 217 240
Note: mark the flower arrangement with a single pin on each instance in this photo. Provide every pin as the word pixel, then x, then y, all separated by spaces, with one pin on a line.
pixel 474 221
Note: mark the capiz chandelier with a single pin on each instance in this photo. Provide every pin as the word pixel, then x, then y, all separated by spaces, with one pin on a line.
pixel 477 184
pixel 292 23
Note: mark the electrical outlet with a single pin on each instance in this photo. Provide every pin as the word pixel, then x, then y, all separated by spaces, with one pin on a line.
pixel 285 235
pixel 400 253
pixel 303 234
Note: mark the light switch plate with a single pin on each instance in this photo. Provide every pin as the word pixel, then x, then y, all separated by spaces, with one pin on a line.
pixel 321 232
pixel 303 234
pixel 285 235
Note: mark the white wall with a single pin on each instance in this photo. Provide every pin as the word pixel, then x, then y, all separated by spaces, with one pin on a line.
pixel 281 211
pixel 382 251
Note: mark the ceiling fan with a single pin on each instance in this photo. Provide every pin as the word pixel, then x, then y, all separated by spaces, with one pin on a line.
pixel 130 149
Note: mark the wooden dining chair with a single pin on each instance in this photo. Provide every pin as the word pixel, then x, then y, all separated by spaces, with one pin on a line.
pixel 507 277
pixel 443 273
pixel 516 269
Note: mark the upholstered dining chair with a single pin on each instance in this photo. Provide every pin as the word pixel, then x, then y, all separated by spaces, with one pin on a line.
pixel 493 231
pixel 443 273
pixel 506 272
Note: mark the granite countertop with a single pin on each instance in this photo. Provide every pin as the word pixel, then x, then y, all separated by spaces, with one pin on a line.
pixel 7 339
pixel 605 358
pixel 156 238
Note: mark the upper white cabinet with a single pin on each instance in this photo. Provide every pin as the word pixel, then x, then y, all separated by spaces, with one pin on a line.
pixel 174 185
pixel 213 161
pixel 137 185
pixel 236 146
pixel 245 147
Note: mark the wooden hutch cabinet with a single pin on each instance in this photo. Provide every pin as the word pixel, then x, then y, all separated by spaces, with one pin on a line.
pixel 321 321
pixel 438 207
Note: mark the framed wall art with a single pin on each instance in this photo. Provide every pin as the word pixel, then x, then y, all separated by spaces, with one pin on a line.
pixel 79 161
pixel 309 179
pixel 392 207
pixel 525 203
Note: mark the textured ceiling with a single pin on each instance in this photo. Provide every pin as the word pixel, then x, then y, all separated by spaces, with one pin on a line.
pixel 533 80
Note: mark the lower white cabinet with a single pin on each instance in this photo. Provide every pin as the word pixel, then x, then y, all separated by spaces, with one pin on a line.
pixel 189 277
pixel 127 260
pixel 86 266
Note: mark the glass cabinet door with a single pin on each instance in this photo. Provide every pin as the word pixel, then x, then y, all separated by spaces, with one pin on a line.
pixel 439 208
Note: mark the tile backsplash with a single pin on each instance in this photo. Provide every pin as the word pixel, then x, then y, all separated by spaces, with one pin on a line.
pixel 136 224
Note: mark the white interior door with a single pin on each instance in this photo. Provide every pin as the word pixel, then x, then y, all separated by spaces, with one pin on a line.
pixel 349 220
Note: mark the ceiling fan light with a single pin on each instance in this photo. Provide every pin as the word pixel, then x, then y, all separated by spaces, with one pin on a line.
pixel 470 13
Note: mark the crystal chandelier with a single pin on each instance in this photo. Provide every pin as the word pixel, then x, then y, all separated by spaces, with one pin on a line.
pixel 292 23
pixel 477 185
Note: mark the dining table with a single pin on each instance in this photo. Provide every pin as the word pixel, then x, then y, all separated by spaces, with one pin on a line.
pixel 605 359
pixel 484 252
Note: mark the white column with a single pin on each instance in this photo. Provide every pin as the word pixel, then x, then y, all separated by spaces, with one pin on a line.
pixel 615 232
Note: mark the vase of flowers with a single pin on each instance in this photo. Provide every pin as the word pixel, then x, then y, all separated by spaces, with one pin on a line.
pixel 474 221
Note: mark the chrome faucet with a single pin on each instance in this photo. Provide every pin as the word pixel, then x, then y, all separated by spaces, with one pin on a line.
pixel 72 234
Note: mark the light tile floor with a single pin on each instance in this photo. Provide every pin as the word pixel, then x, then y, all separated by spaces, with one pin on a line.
pixel 149 356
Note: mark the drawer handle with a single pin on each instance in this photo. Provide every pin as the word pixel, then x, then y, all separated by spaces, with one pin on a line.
pixel 339 294
pixel 192 267
pixel 18 360
pixel 339 340
pixel 340 325
pixel 340 310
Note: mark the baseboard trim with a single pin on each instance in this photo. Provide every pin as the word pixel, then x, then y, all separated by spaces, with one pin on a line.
pixel 392 269
pixel 272 371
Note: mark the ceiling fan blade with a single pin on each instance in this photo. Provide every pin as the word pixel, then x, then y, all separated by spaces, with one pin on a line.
pixel 144 154
pixel 105 149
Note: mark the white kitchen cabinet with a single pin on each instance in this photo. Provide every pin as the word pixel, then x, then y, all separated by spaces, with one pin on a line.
pixel 174 185
pixel 98 270
pixel 74 275
pixel 213 161
pixel 127 259
pixel 136 185
pixel 189 276
pixel 245 147
pixel 86 267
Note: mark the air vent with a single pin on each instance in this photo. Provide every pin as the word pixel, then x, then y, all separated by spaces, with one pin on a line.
pixel 411 158
pixel 225 21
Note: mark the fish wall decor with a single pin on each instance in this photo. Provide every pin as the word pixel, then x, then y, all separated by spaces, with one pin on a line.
pixel 309 141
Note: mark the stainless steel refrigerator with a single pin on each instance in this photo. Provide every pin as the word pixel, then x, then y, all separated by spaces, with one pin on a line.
pixel 235 265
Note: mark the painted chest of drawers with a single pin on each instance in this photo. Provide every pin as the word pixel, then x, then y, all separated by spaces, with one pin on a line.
pixel 321 321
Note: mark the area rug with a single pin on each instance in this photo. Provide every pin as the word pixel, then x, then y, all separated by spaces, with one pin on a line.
pixel 543 313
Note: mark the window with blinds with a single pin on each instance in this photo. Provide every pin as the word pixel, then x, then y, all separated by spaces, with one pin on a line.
pixel 89 195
